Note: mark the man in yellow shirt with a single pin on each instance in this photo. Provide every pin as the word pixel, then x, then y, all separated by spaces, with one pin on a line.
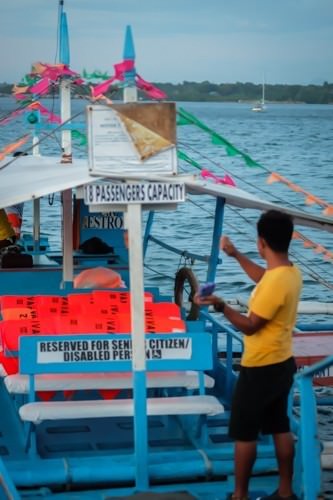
pixel 267 366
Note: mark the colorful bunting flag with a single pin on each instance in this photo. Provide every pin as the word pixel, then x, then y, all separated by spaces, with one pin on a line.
pixel 319 249
pixel 183 156
pixel 82 138
pixel 310 199
pixel 120 69
pixel 206 174
pixel 187 118
pixel 10 148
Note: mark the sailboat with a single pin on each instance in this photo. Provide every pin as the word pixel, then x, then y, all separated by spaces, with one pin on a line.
pixel 260 106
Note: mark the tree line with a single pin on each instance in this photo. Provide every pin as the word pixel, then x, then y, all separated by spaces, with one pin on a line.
pixel 234 92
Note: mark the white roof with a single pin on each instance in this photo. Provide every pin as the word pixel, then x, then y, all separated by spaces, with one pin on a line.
pixel 31 177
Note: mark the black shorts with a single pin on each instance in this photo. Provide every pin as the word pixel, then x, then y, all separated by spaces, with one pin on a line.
pixel 260 401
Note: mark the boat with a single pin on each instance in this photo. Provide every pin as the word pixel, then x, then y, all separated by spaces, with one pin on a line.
pixel 260 106
pixel 112 389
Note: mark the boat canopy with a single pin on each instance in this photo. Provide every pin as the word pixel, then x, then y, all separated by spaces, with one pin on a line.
pixel 37 176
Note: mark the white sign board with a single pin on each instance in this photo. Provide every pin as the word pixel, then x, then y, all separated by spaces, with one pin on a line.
pixel 64 351
pixel 120 145
pixel 136 192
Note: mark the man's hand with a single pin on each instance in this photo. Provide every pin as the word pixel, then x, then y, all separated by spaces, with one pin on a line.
pixel 207 300
pixel 228 247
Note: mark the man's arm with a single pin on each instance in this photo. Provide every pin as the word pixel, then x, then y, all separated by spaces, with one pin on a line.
pixel 246 324
pixel 253 270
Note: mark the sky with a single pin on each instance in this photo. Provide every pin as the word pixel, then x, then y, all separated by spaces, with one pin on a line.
pixel 222 41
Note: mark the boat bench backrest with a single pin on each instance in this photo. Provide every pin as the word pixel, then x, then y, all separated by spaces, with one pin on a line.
pixel 54 354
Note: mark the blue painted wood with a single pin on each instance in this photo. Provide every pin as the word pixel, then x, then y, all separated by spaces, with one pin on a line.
pixel 308 441
pixel 7 487
pixel 67 126
pixel 217 231
pixel 232 338
pixel 140 430
pixel 129 51
pixel 64 40
pixel 315 368
pixel 307 466
pixel 186 255
pixel 149 224
pixel 200 355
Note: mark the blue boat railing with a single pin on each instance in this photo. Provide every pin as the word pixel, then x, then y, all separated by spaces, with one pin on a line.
pixel 183 253
pixel 307 476
pixel 307 482
pixel 233 337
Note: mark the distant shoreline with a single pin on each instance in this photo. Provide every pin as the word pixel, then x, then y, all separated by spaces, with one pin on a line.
pixel 247 102
pixel 228 92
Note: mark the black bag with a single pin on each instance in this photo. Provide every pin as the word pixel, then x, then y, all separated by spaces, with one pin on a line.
pixel 12 256
pixel 95 246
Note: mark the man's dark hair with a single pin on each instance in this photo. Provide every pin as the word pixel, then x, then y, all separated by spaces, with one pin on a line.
pixel 276 228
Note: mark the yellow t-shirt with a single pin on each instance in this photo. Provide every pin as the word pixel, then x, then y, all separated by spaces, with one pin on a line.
pixel 6 230
pixel 275 298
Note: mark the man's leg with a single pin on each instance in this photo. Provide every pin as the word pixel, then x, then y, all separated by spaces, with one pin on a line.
pixel 284 447
pixel 245 455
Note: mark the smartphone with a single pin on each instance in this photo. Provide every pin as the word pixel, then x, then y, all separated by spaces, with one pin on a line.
pixel 206 289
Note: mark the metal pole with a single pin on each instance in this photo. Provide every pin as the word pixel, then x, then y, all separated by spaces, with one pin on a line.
pixel 138 345
pixel 66 144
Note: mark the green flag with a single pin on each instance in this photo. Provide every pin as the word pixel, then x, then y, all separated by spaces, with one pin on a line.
pixel 80 137
pixel 183 156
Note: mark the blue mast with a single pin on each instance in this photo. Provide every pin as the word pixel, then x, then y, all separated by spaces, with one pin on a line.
pixel 134 215
pixel 130 90
pixel 63 36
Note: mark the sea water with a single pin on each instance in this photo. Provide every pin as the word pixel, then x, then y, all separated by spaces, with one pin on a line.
pixel 293 140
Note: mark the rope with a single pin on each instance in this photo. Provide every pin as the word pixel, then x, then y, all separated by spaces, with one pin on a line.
pixel 309 271
pixel 207 462
pixel 40 141
pixel 232 174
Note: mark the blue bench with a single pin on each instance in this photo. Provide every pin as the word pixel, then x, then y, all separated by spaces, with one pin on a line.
pixel 95 354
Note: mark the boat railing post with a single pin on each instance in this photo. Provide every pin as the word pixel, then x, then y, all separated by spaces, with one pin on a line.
pixel 66 145
pixel 36 225
pixel 217 231
pixel 134 220
pixel 36 202
pixel 149 224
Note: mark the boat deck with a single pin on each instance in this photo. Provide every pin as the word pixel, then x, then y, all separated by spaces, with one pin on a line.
pixel 66 447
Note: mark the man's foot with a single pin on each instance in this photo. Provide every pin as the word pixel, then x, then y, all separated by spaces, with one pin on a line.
pixel 277 496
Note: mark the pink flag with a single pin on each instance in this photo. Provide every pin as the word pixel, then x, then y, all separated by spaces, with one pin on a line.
pixel 51 117
pixel 121 68
pixel 41 87
pixel 54 71
pixel 228 180
pixel 101 88
pixel 206 174
pixel 150 89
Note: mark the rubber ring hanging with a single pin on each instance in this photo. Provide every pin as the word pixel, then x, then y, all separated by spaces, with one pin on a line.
pixel 185 274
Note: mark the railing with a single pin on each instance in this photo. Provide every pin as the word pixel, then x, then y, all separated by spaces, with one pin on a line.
pixel 308 448
pixel 232 336
pixel 183 253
